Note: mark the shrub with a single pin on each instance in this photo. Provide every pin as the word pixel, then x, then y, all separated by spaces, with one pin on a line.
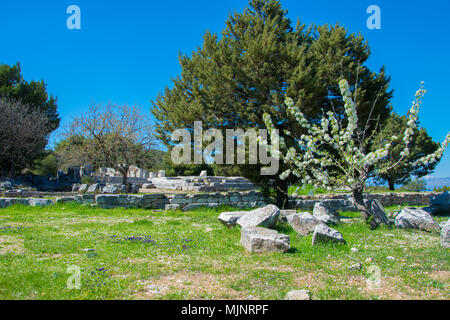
pixel 47 166
pixel 87 180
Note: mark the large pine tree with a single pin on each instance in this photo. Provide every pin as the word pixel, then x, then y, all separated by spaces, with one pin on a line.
pixel 232 80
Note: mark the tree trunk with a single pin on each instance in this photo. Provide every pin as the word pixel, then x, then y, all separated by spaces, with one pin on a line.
pixel 282 197
pixel 361 206
pixel 391 185
pixel 124 178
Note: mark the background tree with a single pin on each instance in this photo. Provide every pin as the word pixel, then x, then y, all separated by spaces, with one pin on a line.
pixel 70 152
pixel 23 136
pixel 419 147
pixel 33 94
pixel 231 82
pixel 114 136
pixel 417 185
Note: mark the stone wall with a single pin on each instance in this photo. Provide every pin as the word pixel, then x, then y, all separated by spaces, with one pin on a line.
pixel 183 201
pixel 246 199
pixel 344 202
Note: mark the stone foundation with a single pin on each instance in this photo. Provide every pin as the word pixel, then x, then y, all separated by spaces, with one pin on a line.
pixel 182 201
pixel 343 202
pixel 243 199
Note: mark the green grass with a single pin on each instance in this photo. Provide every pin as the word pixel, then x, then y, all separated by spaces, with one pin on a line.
pixel 193 256
pixel 307 190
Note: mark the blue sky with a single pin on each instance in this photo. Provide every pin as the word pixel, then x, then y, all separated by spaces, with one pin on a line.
pixel 127 51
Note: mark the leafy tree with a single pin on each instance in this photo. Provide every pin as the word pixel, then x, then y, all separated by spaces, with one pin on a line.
pixel 419 147
pixel 23 136
pixel 113 136
pixel 70 152
pixel 232 80
pixel 33 94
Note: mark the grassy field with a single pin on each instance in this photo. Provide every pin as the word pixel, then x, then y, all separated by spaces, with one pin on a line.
pixel 138 254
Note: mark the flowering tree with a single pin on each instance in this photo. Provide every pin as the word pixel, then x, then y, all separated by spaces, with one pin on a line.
pixel 333 152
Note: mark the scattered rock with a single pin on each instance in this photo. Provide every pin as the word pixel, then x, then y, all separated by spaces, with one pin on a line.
pixel 94 188
pixel 430 210
pixel 263 217
pixel 377 210
pixel 258 240
pixel 110 189
pixel 303 223
pixel 412 218
pixel 83 188
pixel 356 266
pixel 390 258
pixel 155 289
pixel 40 202
pixel 325 214
pixel 114 188
pixel 135 187
pixel 354 250
pixel 230 218
pixel 441 203
pixel 323 233
pixel 298 295
pixel 445 235
pixel 6 184
pixel 285 213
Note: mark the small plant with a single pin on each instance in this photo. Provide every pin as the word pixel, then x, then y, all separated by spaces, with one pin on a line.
pixel 87 180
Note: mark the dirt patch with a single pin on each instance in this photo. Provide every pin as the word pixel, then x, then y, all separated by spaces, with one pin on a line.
pixel 443 276
pixel 392 288
pixel 10 244
pixel 308 280
pixel 417 240
pixel 198 285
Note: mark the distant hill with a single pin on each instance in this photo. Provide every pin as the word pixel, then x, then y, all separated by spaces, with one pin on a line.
pixel 436 182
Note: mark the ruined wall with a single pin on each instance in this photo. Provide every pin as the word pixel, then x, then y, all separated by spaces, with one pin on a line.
pixel 183 201
pixel 245 199
pixel 344 202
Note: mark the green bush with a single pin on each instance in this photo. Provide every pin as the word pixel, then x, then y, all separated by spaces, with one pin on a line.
pixel 87 180
pixel 47 166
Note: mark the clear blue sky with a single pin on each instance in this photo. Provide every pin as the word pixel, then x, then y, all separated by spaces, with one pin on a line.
pixel 126 51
